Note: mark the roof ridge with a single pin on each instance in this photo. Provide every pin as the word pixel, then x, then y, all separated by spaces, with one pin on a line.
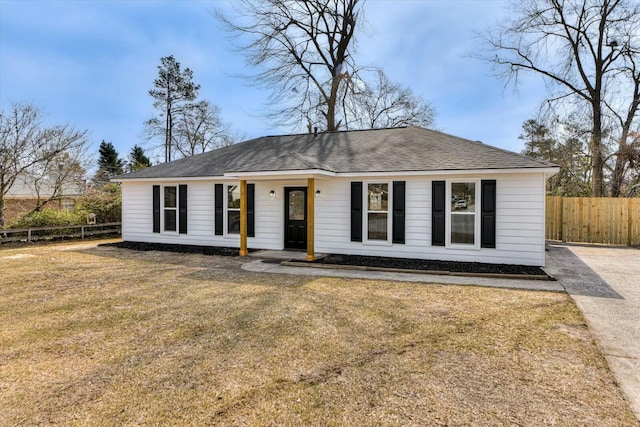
pixel 329 132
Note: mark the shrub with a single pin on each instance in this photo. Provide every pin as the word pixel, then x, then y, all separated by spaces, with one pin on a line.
pixel 48 217
pixel 104 201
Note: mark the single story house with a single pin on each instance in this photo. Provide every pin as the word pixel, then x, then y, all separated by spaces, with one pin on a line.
pixel 404 192
pixel 27 192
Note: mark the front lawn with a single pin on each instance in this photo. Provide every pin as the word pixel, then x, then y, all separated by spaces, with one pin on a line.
pixel 107 336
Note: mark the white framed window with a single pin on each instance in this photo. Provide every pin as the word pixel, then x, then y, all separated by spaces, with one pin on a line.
pixel 377 217
pixel 170 208
pixel 232 203
pixel 67 204
pixel 463 213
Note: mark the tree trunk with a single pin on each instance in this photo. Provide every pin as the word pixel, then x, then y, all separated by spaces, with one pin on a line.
pixel 331 105
pixel 169 133
pixel 2 206
pixel 166 136
pixel 597 166
pixel 596 147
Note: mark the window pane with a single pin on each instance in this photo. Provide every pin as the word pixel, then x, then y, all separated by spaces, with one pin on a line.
pixel 233 197
pixel 233 222
pixel 463 197
pixel 68 204
pixel 296 205
pixel 169 220
pixel 377 226
pixel 378 197
pixel 462 228
pixel 169 197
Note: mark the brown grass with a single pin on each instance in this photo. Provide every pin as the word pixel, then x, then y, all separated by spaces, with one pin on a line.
pixel 105 336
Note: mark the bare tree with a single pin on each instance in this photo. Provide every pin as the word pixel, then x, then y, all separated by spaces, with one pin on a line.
pixel 199 128
pixel 304 48
pixel 59 176
pixel 26 146
pixel 385 104
pixel 624 116
pixel 631 183
pixel 173 90
pixel 564 143
pixel 586 50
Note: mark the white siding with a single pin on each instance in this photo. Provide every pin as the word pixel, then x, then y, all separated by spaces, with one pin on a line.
pixel 519 222
pixel 137 215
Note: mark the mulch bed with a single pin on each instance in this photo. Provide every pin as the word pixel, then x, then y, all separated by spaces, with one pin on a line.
pixel 185 249
pixel 417 264
pixel 353 260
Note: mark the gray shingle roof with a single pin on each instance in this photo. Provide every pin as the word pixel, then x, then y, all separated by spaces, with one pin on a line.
pixel 377 150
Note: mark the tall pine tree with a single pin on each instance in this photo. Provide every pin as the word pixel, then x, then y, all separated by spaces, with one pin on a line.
pixel 173 91
pixel 109 164
pixel 137 159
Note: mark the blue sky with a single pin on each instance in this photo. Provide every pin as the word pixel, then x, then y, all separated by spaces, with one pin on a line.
pixel 91 64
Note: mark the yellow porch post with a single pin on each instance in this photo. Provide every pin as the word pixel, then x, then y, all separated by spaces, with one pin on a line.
pixel 311 198
pixel 243 218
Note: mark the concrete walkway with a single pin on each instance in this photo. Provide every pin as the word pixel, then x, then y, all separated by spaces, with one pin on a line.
pixel 605 284
pixel 534 285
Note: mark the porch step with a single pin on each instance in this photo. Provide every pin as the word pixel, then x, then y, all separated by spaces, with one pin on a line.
pixel 283 255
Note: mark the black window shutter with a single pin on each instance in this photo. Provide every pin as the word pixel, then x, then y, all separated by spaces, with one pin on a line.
pixel 398 211
pixel 182 209
pixel 251 211
pixel 156 208
pixel 218 209
pixel 356 211
pixel 438 213
pixel 488 213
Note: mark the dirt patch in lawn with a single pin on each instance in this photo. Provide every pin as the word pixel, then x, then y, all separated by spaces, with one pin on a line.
pixel 104 335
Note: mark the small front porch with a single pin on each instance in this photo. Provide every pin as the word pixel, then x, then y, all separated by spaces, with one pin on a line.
pixel 298 219
pixel 283 255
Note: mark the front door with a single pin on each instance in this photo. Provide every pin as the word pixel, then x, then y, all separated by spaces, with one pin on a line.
pixel 295 218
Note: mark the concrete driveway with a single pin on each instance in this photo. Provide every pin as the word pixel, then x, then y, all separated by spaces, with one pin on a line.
pixel 605 284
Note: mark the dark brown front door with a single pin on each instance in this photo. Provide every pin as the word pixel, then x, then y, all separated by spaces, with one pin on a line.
pixel 295 218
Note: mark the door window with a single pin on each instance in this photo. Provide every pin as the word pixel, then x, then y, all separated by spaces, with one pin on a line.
pixel 296 205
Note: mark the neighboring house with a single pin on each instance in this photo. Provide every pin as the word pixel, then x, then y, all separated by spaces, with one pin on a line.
pixel 403 192
pixel 24 194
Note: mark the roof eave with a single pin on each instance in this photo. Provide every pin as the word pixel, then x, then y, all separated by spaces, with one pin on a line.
pixel 485 171
pixel 308 173
pixel 170 179
pixel 293 173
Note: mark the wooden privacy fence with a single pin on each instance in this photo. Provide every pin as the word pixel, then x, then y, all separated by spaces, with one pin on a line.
pixel 61 232
pixel 607 220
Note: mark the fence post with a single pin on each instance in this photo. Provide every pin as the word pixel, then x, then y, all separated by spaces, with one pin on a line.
pixel 561 222
pixel 629 221
pixel 82 232
pixel 29 235
pixel 564 216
